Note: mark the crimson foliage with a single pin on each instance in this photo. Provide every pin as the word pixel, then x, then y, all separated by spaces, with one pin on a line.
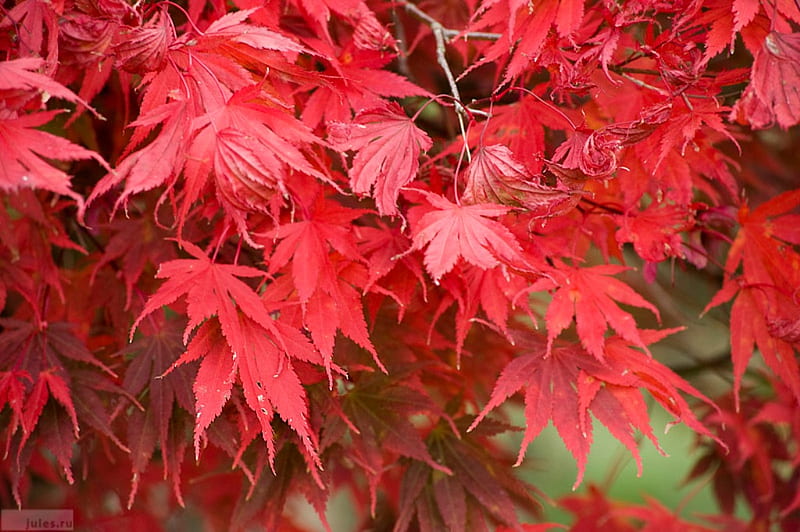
pixel 322 243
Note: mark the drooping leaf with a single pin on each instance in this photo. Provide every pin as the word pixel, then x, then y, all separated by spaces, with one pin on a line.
pixel 765 249
pixel 25 149
pixel 765 101
pixel 609 392
pixel 388 146
pixel 495 176
pixel 474 496
pixel 589 294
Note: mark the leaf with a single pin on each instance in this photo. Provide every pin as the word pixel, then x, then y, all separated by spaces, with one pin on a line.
pixel 475 492
pixel 655 231
pixel 251 149
pixel 526 27
pixel 143 49
pixel 135 243
pixel 610 392
pixel 158 162
pixel 43 400
pixel 25 149
pixel 271 384
pixel 589 294
pixel 765 249
pixel 243 340
pixel 495 176
pixel 230 28
pixel 765 102
pixel 376 414
pixel 211 289
pixel 152 355
pixel 451 231
pixel 21 74
pixel 337 307
pixel 306 245
pixel 388 146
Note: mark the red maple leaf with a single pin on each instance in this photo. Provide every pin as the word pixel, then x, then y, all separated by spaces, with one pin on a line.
pixel 589 294
pixel 153 354
pixel 495 176
pixel 24 150
pixel 765 249
pixel 142 49
pixel 609 391
pixel 355 81
pixel 243 340
pixel 772 95
pixel 655 231
pixel 388 146
pixel 40 383
pixel 159 161
pixel 451 231
pixel 376 412
pixel 250 147
pixel 306 245
pixel 475 492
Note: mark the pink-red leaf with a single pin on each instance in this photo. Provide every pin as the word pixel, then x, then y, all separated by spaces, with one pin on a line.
pixel 388 146
pixel 453 231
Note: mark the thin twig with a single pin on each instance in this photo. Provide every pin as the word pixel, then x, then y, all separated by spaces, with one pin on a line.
pixel 402 44
pixel 447 32
pixel 441 58
pixel 644 85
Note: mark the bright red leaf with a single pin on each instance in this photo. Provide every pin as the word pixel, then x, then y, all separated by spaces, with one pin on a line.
pixel 591 296
pixel 451 231
pixel 388 146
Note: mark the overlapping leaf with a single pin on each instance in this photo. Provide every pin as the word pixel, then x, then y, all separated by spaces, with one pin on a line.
pixel 589 294
pixel 567 385
pixel 388 146
pixel 242 339
pixel 451 231
pixel 766 306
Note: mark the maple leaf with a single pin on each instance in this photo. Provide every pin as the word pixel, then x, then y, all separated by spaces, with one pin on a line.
pixel 21 74
pixel 474 493
pixel 337 307
pixel 252 148
pixel 377 412
pixel 473 289
pixel 588 294
pixel 655 231
pixel 526 28
pixel 451 231
pixel 230 30
pixel 40 389
pixel 355 81
pixel 595 510
pixel 765 291
pixel 593 153
pixel 383 247
pixel 388 146
pixel 243 340
pixel 143 48
pixel 766 101
pixel 156 163
pixel 210 288
pixel 24 150
pixel 609 390
pixel 135 242
pixel 495 176
pixel 152 355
